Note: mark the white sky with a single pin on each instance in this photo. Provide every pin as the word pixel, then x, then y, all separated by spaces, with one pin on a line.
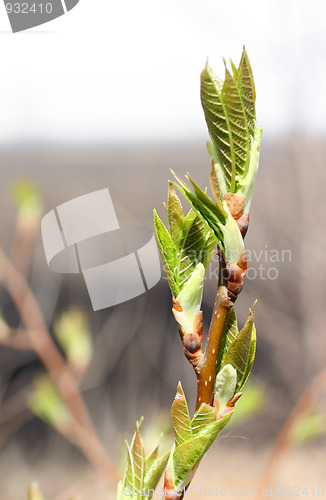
pixel 129 70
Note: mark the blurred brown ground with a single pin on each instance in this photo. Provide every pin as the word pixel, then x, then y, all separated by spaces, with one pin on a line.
pixel 138 358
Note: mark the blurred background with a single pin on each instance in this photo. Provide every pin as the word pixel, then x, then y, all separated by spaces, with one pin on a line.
pixel 108 96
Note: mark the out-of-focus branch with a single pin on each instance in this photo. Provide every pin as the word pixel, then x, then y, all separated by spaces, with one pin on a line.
pixel 28 202
pixel 23 244
pixel 42 343
pixel 305 404
pixel 84 487
pixel 15 338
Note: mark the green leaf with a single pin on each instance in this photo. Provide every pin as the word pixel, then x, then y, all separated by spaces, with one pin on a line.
pixel 129 476
pixel 190 242
pixel 195 245
pixel 231 328
pixel 151 458
pixel 180 417
pixel 245 82
pixel 215 187
pixel 229 110
pixel 218 169
pixel 246 184
pixel 212 430
pixel 167 251
pixel 204 416
pixel 238 353
pixel 216 120
pixel 138 458
pixel 230 332
pixel 239 134
pixel 141 475
pixel 217 206
pixel 215 216
pixel 185 458
pixel 175 214
pixel 154 473
pixel 251 357
pixel 134 471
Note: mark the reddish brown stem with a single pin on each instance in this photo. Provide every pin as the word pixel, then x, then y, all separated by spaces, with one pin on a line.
pixel 207 366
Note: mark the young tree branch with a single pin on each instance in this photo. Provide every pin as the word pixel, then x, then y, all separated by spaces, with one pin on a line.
pixel 206 368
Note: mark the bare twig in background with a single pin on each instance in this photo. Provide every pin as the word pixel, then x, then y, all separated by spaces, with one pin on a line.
pixel 42 343
pixel 23 244
pixel 305 404
pixel 15 338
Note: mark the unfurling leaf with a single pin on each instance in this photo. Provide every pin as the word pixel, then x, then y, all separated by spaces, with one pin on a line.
pixel 154 474
pixel 229 109
pixel 141 475
pixel 233 241
pixel 134 472
pixel 196 245
pixel 74 336
pixel 251 356
pixel 190 299
pixel 180 417
pixel 219 219
pixel 192 439
pixel 213 214
pixel 225 384
pixel 151 458
pixel 175 214
pixel 46 403
pixel 212 430
pixel 138 458
pixel 188 242
pixel 230 332
pixel 204 416
pixel 28 200
pixel 247 183
pixel 240 353
pixel 185 458
pixel 167 251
